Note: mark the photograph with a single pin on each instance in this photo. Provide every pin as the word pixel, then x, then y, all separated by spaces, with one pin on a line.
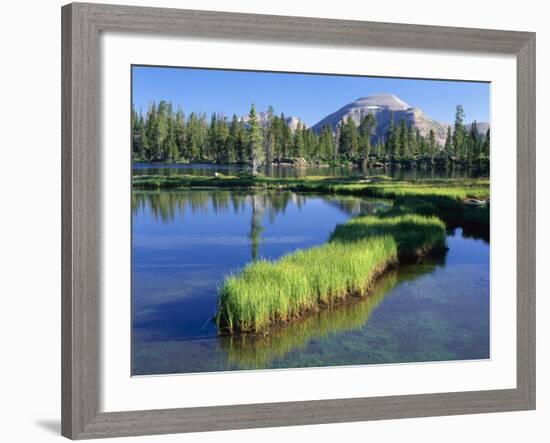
pixel 286 220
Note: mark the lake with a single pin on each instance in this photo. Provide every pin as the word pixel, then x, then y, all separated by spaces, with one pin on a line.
pixel 186 242
pixel 208 169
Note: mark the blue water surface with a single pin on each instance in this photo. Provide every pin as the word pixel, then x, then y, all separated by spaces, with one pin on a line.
pixel 185 242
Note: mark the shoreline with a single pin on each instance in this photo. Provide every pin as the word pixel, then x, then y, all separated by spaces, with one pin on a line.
pixel 382 164
pixel 449 199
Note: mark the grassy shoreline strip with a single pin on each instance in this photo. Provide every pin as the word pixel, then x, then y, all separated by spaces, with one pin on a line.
pixel 271 292
pixel 456 189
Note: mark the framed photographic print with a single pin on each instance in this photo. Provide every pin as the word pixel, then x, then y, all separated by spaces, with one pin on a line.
pixel 273 221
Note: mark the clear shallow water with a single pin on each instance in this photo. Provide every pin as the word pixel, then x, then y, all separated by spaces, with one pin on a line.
pixel 185 242
pixel 208 169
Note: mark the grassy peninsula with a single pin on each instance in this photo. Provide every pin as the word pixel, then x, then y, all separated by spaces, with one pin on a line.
pixel 271 292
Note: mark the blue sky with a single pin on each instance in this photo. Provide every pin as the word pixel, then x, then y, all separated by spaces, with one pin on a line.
pixel 309 97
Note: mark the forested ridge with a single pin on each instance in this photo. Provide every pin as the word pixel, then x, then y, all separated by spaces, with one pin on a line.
pixel 163 134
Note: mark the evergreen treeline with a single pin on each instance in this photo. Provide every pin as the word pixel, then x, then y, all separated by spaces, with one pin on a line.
pixel 165 135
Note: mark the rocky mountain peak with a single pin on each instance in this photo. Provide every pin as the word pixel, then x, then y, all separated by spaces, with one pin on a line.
pixel 383 106
pixel 380 101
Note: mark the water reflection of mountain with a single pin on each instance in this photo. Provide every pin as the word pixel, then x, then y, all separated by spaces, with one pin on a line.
pixel 257 352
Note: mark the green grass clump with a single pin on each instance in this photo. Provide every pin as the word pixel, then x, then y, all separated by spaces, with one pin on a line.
pixel 257 351
pixel 271 292
pixel 415 235
pixel 449 189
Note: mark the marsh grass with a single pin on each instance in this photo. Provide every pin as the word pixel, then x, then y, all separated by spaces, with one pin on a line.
pixel 257 351
pixel 272 292
pixel 415 235
pixel 376 186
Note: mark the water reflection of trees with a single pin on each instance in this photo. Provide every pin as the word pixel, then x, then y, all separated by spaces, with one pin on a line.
pixel 258 352
pixel 256 226
pixel 355 206
pixel 167 206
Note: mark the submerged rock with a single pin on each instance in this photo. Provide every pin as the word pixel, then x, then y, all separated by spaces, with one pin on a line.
pixel 475 202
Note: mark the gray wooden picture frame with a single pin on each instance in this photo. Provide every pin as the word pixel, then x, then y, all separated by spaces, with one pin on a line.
pixel 81 205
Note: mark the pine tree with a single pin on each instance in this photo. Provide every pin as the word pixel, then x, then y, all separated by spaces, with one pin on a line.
pixel 298 146
pixel 161 146
pixel 422 147
pixel 241 144
pixel 144 142
pixel 448 148
pixel 412 138
pixel 326 143
pixel 221 152
pixel 486 149
pixel 459 133
pixel 380 150
pixel 432 146
pixel 139 137
pixel 135 134
pixel 349 139
pixel 254 139
pixel 475 143
pixel 311 141
pixel 403 140
pixel 338 135
pixel 367 128
pixel 392 147
pixel 233 140
pixel 419 144
pixel 153 133
pixel 192 138
pixel 179 133
pixel 202 138
pixel 270 138
pixel 284 144
pixel 169 147
pixel 212 137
